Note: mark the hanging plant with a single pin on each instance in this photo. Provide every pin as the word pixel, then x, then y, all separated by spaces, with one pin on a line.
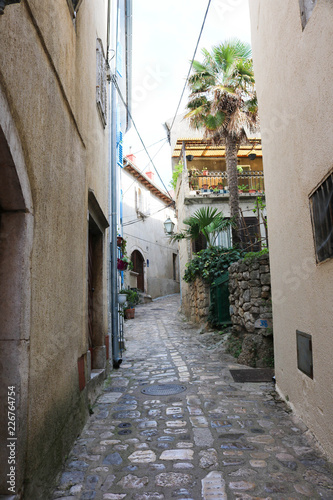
pixel 124 263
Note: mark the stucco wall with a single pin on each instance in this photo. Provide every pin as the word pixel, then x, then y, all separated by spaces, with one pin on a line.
pixel 48 78
pixel 296 109
pixel 147 235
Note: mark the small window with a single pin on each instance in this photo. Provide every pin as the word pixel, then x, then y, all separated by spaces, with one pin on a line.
pixel 101 83
pixel 304 353
pixel 142 203
pixel 199 243
pixel 321 205
pixel 175 266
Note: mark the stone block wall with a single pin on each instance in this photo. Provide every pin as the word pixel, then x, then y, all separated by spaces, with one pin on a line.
pixel 251 309
pixel 199 301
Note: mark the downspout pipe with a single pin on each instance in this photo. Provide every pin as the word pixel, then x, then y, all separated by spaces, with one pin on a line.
pixel 128 31
pixel 113 204
pixel 114 250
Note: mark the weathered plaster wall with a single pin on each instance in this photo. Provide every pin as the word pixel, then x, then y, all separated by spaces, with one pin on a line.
pixel 48 77
pixel 296 108
pixel 147 235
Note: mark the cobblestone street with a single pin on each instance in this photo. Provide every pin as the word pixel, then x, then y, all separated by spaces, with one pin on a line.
pixel 215 440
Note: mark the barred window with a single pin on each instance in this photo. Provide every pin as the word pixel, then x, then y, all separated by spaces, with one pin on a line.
pixel 321 205
pixel 101 82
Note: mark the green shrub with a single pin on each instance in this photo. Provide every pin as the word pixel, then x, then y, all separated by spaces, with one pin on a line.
pixel 211 263
pixel 253 255
pixel 175 174
pixel 133 297
pixel 234 346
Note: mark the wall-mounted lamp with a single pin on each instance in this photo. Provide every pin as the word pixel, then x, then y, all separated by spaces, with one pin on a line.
pixel 4 3
pixel 252 156
pixel 189 157
pixel 168 226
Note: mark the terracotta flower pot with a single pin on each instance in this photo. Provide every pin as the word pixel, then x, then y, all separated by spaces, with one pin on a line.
pixel 129 313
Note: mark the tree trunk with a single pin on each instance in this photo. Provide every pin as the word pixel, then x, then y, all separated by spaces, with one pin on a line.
pixel 231 150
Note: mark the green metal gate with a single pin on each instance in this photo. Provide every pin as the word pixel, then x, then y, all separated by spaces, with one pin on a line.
pixel 219 300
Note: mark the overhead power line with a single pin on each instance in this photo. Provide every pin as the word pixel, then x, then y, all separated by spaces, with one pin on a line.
pixel 115 83
pixel 189 71
pixel 134 221
pixel 141 171
pixel 150 146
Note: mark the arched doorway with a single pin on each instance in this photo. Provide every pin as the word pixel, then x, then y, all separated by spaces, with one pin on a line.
pixel 138 260
pixel 16 229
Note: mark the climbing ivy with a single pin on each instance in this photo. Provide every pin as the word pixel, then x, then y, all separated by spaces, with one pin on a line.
pixel 211 263
pixel 177 170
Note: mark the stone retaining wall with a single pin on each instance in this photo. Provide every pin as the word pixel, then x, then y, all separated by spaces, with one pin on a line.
pixel 251 309
pixel 199 295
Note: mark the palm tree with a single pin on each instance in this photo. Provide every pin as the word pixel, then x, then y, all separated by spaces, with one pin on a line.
pixel 223 102
pixel 206 221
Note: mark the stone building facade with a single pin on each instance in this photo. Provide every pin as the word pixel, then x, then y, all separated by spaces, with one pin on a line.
pixel 208 162
pixel 53 230
pixel 145 207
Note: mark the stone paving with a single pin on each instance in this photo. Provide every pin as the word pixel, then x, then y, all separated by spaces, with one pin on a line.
pixel 216 440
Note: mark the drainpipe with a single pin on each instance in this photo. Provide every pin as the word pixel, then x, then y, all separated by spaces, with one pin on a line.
pixel 114 250
pixel 113 204
pixel 128 31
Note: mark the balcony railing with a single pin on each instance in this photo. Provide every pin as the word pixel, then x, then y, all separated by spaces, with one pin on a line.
pixel 217 182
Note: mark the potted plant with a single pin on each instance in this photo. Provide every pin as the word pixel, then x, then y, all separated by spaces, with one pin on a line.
pixel 132 299
pixel 124 263
pixel 242 188
pixel 122 297
pixel 205 172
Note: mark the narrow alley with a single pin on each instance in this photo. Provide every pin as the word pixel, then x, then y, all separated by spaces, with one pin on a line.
pixel 203 437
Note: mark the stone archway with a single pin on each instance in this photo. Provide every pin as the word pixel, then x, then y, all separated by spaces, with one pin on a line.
pixel 16 229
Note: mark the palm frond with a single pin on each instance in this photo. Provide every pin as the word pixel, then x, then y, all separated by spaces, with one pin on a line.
pixel 214 122
pixel 222 99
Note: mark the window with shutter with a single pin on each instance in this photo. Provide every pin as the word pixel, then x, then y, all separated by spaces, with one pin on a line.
pixel 101 82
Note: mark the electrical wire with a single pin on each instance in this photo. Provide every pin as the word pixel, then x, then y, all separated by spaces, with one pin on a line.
pixel 134 221
pixel 151 242
pixel 115 83
pixel 141 171
pixel 189 71
pixel 151 145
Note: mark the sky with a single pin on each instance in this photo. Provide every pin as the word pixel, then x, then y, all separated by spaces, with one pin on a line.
pixel 165 35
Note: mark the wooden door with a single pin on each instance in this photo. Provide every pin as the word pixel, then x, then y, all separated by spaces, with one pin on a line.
pixel 90 291
pixel 138 260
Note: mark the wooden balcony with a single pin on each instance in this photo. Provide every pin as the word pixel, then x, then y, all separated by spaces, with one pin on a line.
pixel 250 183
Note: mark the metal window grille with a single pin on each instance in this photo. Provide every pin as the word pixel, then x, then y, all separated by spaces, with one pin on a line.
pixel 101 82
pixel 321 205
